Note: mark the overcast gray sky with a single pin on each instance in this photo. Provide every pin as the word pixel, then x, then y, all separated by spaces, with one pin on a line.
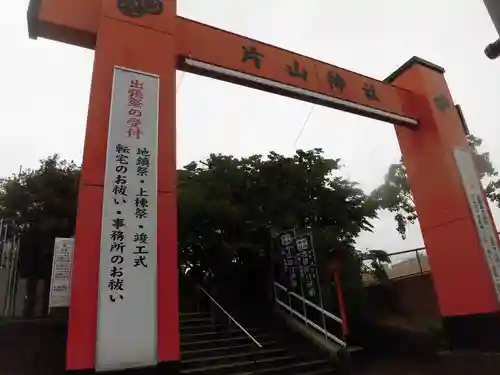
pixel 46 85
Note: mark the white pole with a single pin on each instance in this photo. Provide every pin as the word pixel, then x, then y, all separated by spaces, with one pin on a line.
pixel 298 260
pixel 16 270
pixel 1 227
pixel 6 226
pixel 3 242
pixel 318 283
pixel 10 283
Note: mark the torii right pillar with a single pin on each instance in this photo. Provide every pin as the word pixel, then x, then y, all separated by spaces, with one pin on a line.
pixel 455 219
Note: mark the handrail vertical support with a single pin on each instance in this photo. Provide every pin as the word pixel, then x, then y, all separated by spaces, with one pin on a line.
pixel 324 314
pixel 419 263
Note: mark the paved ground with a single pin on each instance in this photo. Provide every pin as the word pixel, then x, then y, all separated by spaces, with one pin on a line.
pixel 444 364
pixel 34 347
pixel 37 348
pixel 402 366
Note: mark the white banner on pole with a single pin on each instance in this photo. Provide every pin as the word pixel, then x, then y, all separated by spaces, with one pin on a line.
pixel 127 313
pixel 62 261
pixel 484 225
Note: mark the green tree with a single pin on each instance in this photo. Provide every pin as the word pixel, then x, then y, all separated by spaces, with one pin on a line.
pixel 395 194
pixel 229 206
pixel 224 201
pixel 41 204
pixel 227 209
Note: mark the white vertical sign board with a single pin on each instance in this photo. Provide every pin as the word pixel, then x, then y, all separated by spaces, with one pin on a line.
pixel 60 283
pixel 484 225
pixel 127 313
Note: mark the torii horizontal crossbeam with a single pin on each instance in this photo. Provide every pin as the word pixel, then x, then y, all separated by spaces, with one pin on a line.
pixel 216 53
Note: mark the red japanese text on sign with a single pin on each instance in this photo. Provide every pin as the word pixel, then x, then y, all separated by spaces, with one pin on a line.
pixel 135 104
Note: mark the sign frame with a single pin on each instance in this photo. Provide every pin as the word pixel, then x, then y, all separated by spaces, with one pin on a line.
pixel 127 286
pixel 60 243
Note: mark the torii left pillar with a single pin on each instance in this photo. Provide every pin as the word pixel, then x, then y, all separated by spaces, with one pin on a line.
pixel 143 44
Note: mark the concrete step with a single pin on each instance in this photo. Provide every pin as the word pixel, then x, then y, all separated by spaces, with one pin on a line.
pixel 221 341
pixel 298 367
pixel 325 371
pixel 200 328
pixel 194 316
pixel 193 313
pixel 221 350
pixel 195 321
pixel 231 367
pixel 250 354
pixel 215 334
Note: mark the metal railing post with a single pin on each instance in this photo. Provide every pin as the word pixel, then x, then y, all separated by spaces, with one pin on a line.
pixel 6 229
pixel 16 276
pixel 320 289
pixel 212 315
pixel 197 299
pixel 230 333
pixel 12 273
pixel 289 298
pixel 303 301
pixel 275 296
pixel 419 263
pixel 323 318
pixel 4 240
pixel 1 230
pixel 325 314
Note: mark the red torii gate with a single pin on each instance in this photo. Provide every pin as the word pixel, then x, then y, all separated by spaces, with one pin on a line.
pixel 138 46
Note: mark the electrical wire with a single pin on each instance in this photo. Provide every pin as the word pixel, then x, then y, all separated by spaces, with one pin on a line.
pixel 304 125
pixel 180 81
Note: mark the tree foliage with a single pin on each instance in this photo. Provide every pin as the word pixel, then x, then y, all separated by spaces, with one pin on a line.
pixel 228 206
pixel 41 204
pixel 395 195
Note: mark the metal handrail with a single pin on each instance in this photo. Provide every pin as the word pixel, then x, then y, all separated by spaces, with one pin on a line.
pixel 304 317
pixel 230 317
pixel 311 323
pixel 313 305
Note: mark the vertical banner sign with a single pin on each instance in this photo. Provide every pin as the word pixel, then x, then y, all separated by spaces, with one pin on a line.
pixel 484 225
pixel 60 283
pixel 127 313
pixel 288 252
pixel 307 266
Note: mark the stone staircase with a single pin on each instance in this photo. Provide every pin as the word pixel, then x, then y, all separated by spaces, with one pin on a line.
pixel 217 346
